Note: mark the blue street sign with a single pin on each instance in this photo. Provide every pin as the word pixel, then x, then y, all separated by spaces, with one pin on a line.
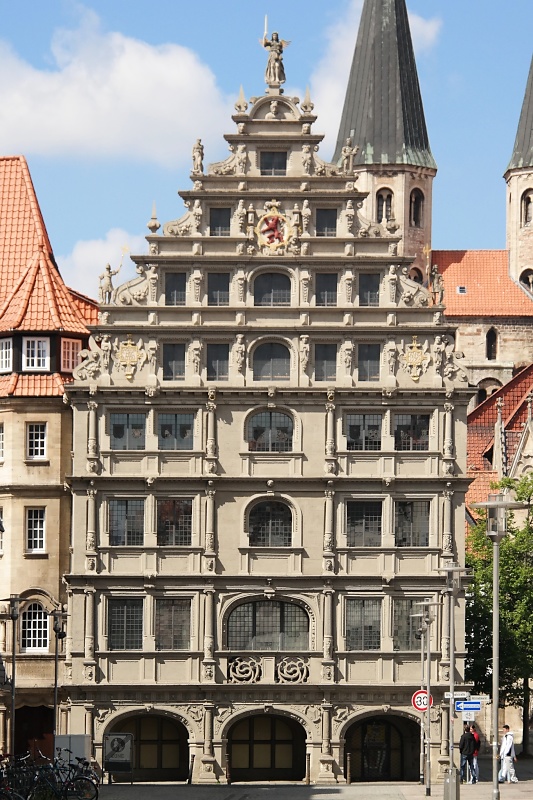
pixel 468 705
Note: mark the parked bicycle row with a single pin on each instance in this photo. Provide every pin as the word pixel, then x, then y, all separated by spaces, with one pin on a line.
pixel 67 777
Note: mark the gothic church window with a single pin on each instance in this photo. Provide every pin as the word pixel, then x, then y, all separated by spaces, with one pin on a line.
pixel 268 625
pixel 272 361
pixel 270 525
pixel 270 432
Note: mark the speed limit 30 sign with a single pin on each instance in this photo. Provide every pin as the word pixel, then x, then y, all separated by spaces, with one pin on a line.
pixel 420 700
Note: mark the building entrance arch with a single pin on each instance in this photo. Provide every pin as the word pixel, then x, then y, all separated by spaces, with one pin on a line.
pixel 266 747
pixel 383 749
pixel 160 747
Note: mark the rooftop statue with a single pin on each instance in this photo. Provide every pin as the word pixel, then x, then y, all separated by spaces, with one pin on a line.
pixel 275 71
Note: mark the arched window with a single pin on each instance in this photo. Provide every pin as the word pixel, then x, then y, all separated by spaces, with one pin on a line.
pixel 384 205
pixel 491 344
pixel 34 629
pixel 272 289
pixel 268 625
pixel 416 275
pixel 416 211
pixel 526 279
pixel 272 362
pixel 527 208
pixel 270 432
pixel 270 525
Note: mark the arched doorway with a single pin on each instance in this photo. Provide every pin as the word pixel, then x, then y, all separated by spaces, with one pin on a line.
pixel 382 749
pixel 266 748
pixel 160 747
pixel 33 730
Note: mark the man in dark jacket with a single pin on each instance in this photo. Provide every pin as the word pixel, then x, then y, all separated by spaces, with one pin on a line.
pixel 467 747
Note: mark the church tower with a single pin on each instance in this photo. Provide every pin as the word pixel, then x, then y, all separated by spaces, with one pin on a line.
pixel 519 178
pixel 383 117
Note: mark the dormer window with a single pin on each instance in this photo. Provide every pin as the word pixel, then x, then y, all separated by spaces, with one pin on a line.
pixel 70 353
pixel 6 355
pixel 273 163
pixel 35 354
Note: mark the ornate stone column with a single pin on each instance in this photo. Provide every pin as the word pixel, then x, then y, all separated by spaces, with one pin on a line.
pixel 328 564
pixel 90 541
pixel 330 467
pixel 208 661
pixel 3 732
pixel 68 639
pixel 328 663
pixel 92 440
pixel 326 759
pixel 211 443
pixel 89 719
pixel 89 663
pixel 448 449
pixel 447 524
pixel 210 552
pixel 208 759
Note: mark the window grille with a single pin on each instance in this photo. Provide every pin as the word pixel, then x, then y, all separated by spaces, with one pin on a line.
pixel 272 362
pixel 175 431
pixel 35 529
pixel 268 625
pixel 326 289
pixel 325 362
pixel 36 440
pixel 217 362
pixel 368 289
pixel 273 163
pixel 363 523
pixel 363 431
pixel 172 624
pixel 363 624
pixel 125 623
pixel 128 431
pixel 175 289
pixel 34 628
pixel 270 432
pixel 405 626
pixel 272 289
pixel 412 523
pixel 174 522
pixel 270 525
pixel 126 522
pixel 218 288
pixel 6 355
pixel 368 362
pixel 326 222
pixel 411 432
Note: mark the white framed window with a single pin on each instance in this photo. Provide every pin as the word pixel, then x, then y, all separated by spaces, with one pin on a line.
pixel 70 352
pixel 35 441
pixel 6 355
pixel 34 628
pixel 35 353
pixel 1 441
pixel 35 529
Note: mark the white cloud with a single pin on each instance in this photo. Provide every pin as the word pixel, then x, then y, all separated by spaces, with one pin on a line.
pixel 108 95
pixel 82 267
pixel 424 32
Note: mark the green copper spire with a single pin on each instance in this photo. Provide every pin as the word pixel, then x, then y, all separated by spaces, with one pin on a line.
pixel 523 146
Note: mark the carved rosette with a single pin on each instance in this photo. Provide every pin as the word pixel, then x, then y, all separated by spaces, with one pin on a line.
pixel 292 669
pixel 244 670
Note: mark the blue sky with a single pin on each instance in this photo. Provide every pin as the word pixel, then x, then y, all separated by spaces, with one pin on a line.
pixel 106 97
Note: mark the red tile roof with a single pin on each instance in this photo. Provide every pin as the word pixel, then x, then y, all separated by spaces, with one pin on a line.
pixel 15 385
pixel 490 291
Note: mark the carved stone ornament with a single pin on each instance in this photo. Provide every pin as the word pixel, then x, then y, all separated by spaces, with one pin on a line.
pixel 292 669
pixel 244 670
pixel 415 359
pixel 129 357
pixel 140 290
pixel 274 229
pixel 90 365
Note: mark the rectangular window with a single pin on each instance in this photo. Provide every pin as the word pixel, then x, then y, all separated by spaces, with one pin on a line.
pixel 6 355
pixel 368 289
pixel 405 626
pixel 325 362
pixel 411 520
pixel 363 431
pixel 175 289
pixel 363 523
pixel 219 221
pixel 274 163
pixel 411 432
pixel 326 289
pixel 125 623
pixel 172 624
pixel 217 362
pixel 126 522
pixel 368 362
pixel 35 353
pixel 174 522
pixel 1 441
pixel 173 361
pixel 70 354
pixel 128 431
pixel 35 441
pixel 35 529
pixel 175 431
pixel 363 624
pixel 326 222
pixel 218 288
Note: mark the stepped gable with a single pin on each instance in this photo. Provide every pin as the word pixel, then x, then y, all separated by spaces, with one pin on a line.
pixel 484 274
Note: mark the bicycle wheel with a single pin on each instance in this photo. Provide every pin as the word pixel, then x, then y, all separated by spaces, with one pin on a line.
pixel 84 789
pixel 42 791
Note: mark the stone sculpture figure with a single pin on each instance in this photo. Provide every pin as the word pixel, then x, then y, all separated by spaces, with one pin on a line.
pixel 275 71
pixel 304 352
pixel 239 352
pixel 105 290
pixel 198 158
pixel 273 113
pixel 347 154
pixel 240 159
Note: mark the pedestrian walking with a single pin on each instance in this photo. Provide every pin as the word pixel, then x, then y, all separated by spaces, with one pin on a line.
pixel 475 765
pixel 507 757
pixel 467 746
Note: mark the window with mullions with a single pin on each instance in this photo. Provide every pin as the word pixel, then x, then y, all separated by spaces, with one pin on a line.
pixel 218 288
pixel 384 205
pixel 175 288
pixel 125 623
pixel 272 361
pixel 270 525
pixel 368 289
pixel 35 529
pixel 363 624
pixel 411 520
pixel 363 431
pixel 174 522
pixel 363 523
pixel 173 361
pixel 272 289
pixel 219 221
pixel 217 362
pixel 6 355
pixel 326 222
pixel 405 634
pixel 270 432
pixel 35 441
pixel 128 431
pixel 325 362
pixel 175 431
pixel 126 522
pixel 273 163
pixel 35 353
pixel 34 628
pixel 268 625
pixel 326 289
pixel 172 623
pixel 411 432
pixel 70 354
pixel 368 362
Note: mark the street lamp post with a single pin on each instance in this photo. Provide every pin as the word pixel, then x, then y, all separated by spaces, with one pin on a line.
pixel 427 619
pixel 14 601
pixel 60 634
pixel 497 506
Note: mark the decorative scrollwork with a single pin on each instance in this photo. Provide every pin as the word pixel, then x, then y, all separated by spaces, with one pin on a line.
pixel 292 669
pixel 244 670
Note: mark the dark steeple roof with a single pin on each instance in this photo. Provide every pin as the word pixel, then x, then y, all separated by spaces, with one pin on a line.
pixel 383 112
pixel 523 146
